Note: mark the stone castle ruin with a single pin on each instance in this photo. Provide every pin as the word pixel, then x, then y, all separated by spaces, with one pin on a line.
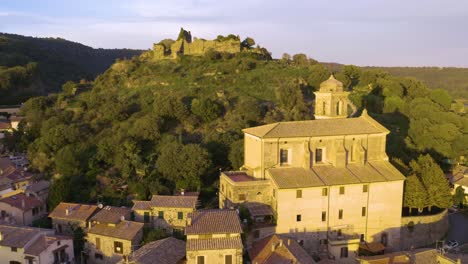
pixel 185 45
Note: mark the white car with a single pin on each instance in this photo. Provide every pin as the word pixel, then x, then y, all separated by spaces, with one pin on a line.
pixel 451 244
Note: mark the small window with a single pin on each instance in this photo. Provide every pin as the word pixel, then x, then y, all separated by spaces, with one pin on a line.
pixel 242 197
pixel 298 218
pixel 342 190
pixel 161 214
pixel 227 259
pixel 300 242
pixel 363 212
pixel 324 216
pixel 180 215
pixel 365 188
pixel 274 193
pixel 324 191
pixel 344 252
pixel 118 247
pixel 283 156
pixel 98 256
pixel 298 193
pixel 200 259
pixel 59 227
pixel 340 214
pixel 146 217
pixel 14 249
pixel 98 243
pixel 319 155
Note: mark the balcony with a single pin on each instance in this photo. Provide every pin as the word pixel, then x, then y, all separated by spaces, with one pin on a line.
pixel 338 238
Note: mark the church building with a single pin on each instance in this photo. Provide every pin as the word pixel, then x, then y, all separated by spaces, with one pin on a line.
pixel 327 183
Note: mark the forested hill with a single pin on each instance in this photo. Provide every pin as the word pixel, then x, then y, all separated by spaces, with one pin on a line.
pixel 454 80
pixel 37 66
pixel 154 125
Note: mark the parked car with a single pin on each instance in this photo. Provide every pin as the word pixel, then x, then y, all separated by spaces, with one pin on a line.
pixel 451 244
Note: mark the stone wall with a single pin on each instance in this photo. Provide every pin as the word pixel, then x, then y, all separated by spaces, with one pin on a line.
pixel 426 230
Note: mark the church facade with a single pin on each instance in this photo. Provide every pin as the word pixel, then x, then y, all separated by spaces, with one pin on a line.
pixel 327 183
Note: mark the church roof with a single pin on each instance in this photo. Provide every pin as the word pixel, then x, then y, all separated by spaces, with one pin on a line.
pixel 329 175
pixel 331 85
pixel 321 127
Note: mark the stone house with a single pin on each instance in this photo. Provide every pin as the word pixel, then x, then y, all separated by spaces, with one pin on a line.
pixel 68 216
pixel 166 251
pixel 112 242
pixel 166 212
pixel 34 245
pixel 214 237
pixel 278 249
pixel 21 209
pixel 328 182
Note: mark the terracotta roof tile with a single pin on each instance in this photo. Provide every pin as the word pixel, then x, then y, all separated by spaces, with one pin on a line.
pixel 38 186
pixel 4 125
pixel 165 251
pixel 43 242
pixel 287 178
pixel 111 214
pixel 16 236
pixel 214 243
pixel 321 127
pixel 329 175
pixel 22 201
pixel 286 250
pixel 173 201
pixel 213 222
pixel 126 230
pixel 77 212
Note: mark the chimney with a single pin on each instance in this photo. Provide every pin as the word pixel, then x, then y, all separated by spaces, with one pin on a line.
pixel 182 192
pixel 289 242
pixel 67 211
pixel 272 247
pixel 281 243
pixel 1 236
pixel 23 204
pixel 189 220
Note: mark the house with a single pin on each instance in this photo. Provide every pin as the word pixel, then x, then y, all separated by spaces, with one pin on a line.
pixel 5 127
pixel 21 209
pixel 166 212
pixel 68 216
pixel 279 249
pixel 417 256
pixel 214 237
pixel 39 189
pixel 34 245
pixel 328 182
pixel 113 241
pixel 13 176
pixel 166 251
pixel 14 121
pixel 110 215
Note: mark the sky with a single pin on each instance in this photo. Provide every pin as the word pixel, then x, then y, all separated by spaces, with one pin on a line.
pixel 359 32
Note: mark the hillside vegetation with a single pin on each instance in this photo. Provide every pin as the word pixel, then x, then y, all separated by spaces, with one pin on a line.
pixel 37 66
pixel 149 126
pixel 453 80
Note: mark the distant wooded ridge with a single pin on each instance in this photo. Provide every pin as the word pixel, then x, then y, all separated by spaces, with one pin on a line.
pixel 452 79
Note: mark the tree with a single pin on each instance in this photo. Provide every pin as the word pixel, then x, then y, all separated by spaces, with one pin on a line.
pixel 415 195
pixel 183 164
pixel 459 198
pixel 300 59
pixel 205 108
pixel 59 192
pixel 442 98
pixel 434 181
pixel 352 74
pixel 236 154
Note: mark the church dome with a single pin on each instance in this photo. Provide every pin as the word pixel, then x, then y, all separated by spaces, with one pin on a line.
pixel 331 85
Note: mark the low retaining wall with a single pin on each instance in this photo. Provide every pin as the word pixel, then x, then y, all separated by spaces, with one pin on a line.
pixel 419 231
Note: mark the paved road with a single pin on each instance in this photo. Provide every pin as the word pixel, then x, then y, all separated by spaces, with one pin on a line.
pixel 458 227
